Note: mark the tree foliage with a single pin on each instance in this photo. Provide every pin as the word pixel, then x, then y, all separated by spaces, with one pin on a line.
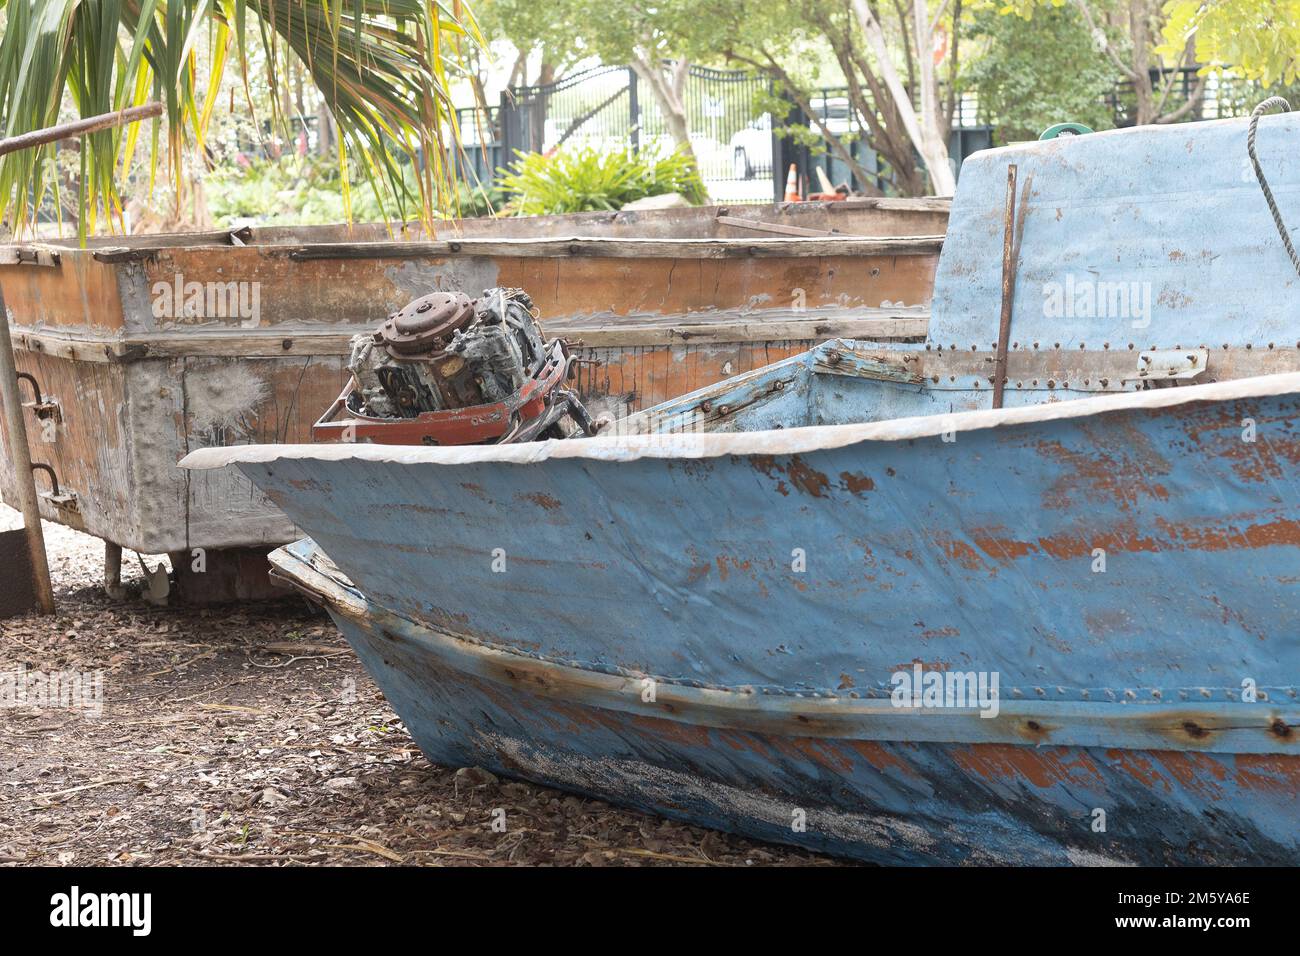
pixel 1257 39
pixel 384 67
pixel 1031 72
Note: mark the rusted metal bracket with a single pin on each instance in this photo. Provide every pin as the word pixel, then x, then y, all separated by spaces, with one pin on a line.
pixel 64 500
pixel 1164 365
pixel 44 407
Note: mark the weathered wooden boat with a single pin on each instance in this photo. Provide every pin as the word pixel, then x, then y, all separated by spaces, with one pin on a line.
pixel 840 602
pixel 140 349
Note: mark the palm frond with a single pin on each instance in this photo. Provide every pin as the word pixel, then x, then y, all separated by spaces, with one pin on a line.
pixel 384 68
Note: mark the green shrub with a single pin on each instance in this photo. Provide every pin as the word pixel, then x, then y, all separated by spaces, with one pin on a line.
pixel 291 191
pixel 587 179
pixel 478 200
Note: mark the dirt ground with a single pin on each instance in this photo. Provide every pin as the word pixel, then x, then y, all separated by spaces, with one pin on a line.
pixel 251 735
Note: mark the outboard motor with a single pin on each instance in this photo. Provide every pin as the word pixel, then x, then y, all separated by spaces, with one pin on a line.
pixel 448 370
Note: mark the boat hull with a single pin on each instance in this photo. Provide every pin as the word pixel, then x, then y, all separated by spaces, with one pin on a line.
pixel 824 789
pixel 714 625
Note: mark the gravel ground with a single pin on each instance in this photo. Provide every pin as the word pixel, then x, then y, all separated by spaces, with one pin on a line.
pixel 251 735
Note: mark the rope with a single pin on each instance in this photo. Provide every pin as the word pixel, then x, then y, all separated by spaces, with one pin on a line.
pixel 1259 111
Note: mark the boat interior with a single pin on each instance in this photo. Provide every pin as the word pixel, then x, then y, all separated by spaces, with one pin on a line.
pixel 839 382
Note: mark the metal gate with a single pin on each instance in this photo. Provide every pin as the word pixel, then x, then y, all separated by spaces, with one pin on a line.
pixel 607 108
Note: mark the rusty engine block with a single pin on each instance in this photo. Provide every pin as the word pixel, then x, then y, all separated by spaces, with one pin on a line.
pixel 448 370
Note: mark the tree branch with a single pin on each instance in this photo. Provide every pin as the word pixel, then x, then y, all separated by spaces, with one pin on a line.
pixel 1106 48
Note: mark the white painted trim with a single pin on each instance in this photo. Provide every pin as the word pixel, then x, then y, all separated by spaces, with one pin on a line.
pixel 789 441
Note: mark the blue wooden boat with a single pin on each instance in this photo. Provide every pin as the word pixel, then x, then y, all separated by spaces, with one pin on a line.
pixel 840 602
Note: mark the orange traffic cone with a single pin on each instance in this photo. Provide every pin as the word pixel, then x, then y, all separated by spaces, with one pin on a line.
pixel 792 185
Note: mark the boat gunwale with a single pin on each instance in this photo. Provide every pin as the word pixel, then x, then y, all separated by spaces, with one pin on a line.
pixel 785 441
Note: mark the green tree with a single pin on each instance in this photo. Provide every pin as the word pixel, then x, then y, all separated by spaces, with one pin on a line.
pixel 1257 39
pixel 1150 41
pixel 1031 72
pixel 539 32
pixel 659 40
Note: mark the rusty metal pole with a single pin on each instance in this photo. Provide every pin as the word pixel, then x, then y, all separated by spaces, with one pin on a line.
pixel 91 124
pixel 15 428
pixel 20 455
pixel 1008 287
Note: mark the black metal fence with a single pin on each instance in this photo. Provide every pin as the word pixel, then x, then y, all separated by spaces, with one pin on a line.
pixel 1223 97
pixel 606 108
pixel 743 155
pixel 810 151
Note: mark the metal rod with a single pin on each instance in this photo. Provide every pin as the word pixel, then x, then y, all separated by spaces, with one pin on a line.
pixel 20 455
pixel 91 124
pixel 15 428
pixel 1008 287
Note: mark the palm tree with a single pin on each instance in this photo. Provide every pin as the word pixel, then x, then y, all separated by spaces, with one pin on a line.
pixel 384 68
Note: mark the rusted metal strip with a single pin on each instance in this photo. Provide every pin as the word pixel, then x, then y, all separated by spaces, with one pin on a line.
pixel 81 127
pixel 1008 288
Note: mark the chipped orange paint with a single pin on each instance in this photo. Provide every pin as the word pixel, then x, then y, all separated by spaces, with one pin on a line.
pixel 1200 773
pixel 806 478
pixel 856 483
pixel 542 500
pixel 1123 474
pixel 880 757
pixel 948 631
pixel 1276 773
pixel 689 735
pixel 820 752
pixel 1042 767
pixel 1281 532
pixel 1002 549
pixel 961 552
pixel 1138 767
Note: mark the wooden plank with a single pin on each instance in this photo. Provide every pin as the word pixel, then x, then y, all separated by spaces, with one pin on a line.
pixel 798 247
pixel 922 204
pixel 759 226
pixel 794 246
pixel 274 343
pixel 755 330
pixel 809 246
